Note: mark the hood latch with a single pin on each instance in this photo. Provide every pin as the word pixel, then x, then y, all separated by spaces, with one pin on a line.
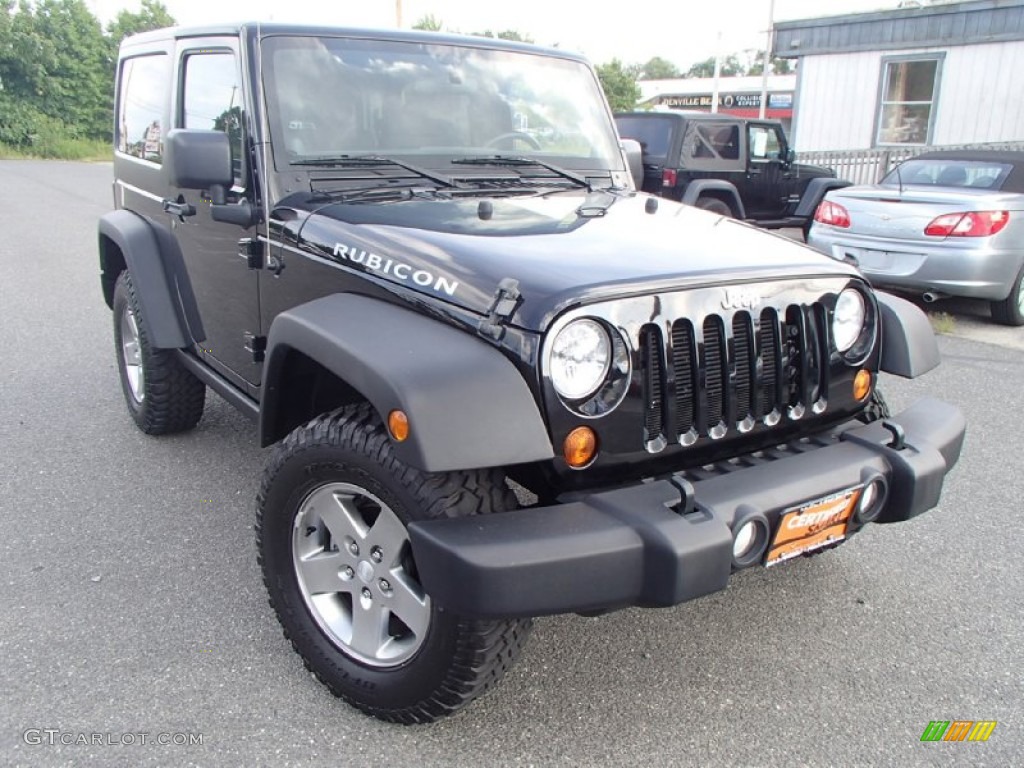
pixel 506 301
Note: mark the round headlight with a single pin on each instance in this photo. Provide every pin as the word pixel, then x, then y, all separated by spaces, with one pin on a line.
pixel 580 355
pixel 848 319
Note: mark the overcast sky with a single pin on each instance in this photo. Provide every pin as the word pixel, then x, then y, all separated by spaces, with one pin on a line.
pixel 682 31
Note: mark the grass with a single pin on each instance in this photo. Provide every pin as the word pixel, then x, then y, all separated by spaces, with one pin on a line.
pixel 942 322
pixel 60 149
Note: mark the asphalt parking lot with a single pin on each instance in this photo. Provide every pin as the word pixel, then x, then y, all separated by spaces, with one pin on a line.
pixel 132 603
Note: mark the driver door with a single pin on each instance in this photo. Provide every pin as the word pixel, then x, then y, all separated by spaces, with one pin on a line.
pixel 210 96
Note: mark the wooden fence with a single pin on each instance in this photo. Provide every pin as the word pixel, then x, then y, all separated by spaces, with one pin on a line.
pixel 866 166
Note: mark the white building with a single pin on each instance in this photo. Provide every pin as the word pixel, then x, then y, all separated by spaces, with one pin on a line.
pixel 928 75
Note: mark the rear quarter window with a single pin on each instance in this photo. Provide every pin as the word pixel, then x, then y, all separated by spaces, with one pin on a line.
pixel 144 89
pixel 654 135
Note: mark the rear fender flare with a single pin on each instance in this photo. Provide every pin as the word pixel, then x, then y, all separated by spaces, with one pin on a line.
pixel 696 189
pixel 467 404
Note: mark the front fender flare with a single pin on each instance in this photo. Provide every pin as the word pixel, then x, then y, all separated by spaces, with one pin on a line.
pixel 909 348
pixel 158 286
pixel 815 192
pixel 467 404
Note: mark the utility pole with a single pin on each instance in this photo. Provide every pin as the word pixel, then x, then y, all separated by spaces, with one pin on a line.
pixel 767 58
pixel 398 13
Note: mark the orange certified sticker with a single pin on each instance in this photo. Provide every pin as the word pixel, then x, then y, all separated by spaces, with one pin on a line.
pixel 813 525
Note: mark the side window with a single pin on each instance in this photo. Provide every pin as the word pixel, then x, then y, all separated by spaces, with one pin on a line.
pixel 212 99
pixel 145 86
pixel 764 142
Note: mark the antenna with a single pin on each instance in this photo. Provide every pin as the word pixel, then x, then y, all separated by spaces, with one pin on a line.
pixel 899 177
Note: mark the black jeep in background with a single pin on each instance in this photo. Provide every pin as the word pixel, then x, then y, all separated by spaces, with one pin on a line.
pixel 728 165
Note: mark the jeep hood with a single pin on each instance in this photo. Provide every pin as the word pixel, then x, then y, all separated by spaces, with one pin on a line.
pixel 563 248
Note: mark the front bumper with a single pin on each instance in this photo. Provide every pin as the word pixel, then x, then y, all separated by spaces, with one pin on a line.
pixel 635 545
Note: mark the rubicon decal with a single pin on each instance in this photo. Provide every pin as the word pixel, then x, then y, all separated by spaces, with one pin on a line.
pixel 958 730
pixel 397 269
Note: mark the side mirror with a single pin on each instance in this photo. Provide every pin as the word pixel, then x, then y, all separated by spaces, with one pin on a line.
pixel 634 161
pixel 197 159
pixel 789 156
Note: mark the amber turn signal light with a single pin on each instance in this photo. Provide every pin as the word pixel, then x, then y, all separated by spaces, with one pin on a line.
pixel 398 426
pixel 862 384
pixel 580 447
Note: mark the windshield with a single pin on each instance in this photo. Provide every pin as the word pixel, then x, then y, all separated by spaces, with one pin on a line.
pixel 938 172
pixel 334 96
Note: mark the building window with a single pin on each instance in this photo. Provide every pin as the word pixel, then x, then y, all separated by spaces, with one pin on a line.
pixel 143 95
pixel 907 106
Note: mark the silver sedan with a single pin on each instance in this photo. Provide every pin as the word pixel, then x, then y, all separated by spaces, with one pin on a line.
pixel 941 224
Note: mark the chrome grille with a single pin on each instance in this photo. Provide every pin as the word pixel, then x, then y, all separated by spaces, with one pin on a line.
pixel 728 373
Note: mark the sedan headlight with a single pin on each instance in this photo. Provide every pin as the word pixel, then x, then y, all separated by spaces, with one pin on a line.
pixel 580 356
pixel 848 319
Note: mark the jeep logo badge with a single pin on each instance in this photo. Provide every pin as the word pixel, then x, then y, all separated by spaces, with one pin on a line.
pixel 737 298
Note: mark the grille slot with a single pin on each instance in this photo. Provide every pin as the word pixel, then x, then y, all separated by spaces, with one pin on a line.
pixel 713 362
pixel 654 383
pixel 728 373
pixel 684 374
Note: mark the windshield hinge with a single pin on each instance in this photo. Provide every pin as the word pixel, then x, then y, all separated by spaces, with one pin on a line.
pixel 506 301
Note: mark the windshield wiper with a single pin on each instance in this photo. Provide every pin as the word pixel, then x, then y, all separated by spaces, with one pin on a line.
pixel 515 161
pixel 374 194
pixel 371 161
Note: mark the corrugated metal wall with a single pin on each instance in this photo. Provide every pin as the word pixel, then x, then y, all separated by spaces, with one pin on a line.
pixel 980 97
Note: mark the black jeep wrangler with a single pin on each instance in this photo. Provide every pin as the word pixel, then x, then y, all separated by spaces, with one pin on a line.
pixel 728 165
pixel 498 382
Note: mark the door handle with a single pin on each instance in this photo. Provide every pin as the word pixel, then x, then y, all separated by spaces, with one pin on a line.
pixel 179 208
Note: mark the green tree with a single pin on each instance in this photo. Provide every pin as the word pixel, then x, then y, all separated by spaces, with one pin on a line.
pixel 619 84
pixel 777 66
pixel 55 61
pixel 658 68
pixel 429 23
pixel 152 14
pixel 508 34
pixel 731 66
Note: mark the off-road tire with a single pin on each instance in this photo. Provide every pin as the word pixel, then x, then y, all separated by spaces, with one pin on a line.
pixel 877 408
pixel 170 399
pixel 458 659
pixel 1010 311
pixel 714 205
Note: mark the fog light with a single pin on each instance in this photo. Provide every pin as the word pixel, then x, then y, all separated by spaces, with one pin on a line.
pixel 580 447
pixel 398 426
pixel 749 541
pixel 862 384
pixel 872 499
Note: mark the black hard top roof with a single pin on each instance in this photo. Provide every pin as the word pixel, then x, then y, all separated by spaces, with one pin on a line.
pixel 266 29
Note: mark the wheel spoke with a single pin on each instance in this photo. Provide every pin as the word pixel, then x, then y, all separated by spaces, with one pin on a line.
pixel 408 602
pixel 388 533
pixel 321 573
pixel 340 515
pixel 369 627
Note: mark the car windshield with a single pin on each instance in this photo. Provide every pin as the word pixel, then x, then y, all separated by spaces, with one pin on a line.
pixel 938 172
pixel 330 97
